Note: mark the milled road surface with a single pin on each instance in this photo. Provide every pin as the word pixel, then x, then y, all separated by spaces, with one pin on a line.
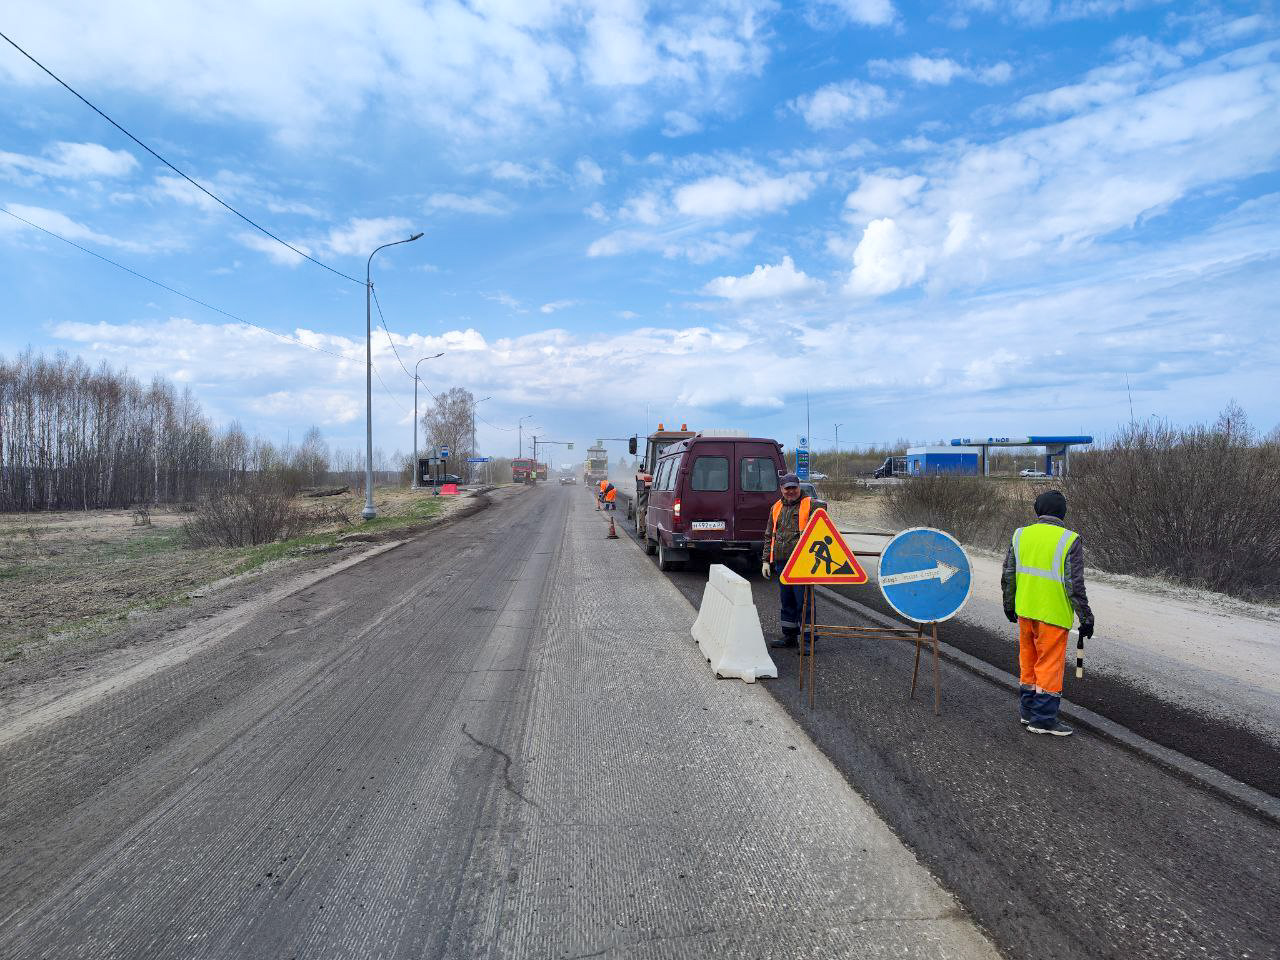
pixel 497 740
pixel 1060 848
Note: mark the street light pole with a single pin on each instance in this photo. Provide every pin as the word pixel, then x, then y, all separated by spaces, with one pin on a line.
pixel 475 404
pixel 369 512
pixel 838 426
pixel 415 417
pixel 520 434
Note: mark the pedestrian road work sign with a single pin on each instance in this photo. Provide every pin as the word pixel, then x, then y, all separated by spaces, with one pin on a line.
pixel 822 556
pixel 925 575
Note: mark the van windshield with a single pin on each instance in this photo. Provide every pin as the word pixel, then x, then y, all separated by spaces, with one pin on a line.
pixel 758 475
pixel 710 473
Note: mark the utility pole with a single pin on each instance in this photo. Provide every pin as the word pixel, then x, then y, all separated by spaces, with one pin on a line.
pixel 838 426
pixel 369 512
pixel 808 431
pixel 520 429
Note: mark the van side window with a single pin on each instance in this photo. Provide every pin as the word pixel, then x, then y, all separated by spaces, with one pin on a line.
pixel 664 470
pixel 710 473
pixel 758 475
pixel 669 481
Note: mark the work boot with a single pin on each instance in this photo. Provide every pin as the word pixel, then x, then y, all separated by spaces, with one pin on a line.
pixel 1024 704
pixel 1059 729
pixel 786 640
pixel 1044 715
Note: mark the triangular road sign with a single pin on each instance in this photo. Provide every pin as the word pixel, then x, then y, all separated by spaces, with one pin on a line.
pixel 822 556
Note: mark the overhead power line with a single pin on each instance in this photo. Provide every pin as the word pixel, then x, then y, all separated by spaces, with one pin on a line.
pixel 257 226
pixel 195 300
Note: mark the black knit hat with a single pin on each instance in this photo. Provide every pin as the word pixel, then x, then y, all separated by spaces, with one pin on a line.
pixel 1051 503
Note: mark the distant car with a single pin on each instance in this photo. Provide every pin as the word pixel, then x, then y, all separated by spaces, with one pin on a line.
pixel 817 476
pixel 569 480
pixel 1032 474
pixel 443 479
pixel 810 491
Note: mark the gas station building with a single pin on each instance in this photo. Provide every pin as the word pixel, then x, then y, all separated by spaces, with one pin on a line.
pixel 1057 450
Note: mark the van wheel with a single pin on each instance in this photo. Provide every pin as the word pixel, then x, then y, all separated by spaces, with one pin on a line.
pixel 665 563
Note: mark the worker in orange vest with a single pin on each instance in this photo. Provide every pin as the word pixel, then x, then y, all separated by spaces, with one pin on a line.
pixel 610 497
pixel 600 494
pixel 787 521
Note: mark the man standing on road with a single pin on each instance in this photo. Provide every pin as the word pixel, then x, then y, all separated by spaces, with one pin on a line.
pixel 1043 586
pixel 787 521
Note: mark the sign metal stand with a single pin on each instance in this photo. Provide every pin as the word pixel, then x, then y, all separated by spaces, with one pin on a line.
pixel 925 576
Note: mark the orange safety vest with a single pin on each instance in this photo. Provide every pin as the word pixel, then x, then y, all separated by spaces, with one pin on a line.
pixel 773 521
pixel 610 494
pixel 603 484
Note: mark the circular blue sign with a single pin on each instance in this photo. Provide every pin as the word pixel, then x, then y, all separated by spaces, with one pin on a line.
pixel 925 575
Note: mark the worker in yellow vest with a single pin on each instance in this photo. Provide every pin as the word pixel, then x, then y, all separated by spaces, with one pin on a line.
pixel 787 521
pixel 1043 587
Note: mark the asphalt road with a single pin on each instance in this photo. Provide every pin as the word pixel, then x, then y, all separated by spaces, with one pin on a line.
pixel 299 788
pixel 495 740
pixel 1059 847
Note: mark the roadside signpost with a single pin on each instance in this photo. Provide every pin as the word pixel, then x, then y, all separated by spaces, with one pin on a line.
pixel 925 576
pixel 822 556
pixel 802 459
pixel 477 459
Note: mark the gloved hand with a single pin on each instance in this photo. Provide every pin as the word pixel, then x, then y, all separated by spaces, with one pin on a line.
pixel 765 569
pixel 1086 630
pixel 1011 616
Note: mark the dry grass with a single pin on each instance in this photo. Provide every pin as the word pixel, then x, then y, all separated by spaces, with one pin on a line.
pixel 60 569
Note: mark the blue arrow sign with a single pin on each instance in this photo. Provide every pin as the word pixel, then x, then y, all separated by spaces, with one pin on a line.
pixel 925 575
pixel 444 451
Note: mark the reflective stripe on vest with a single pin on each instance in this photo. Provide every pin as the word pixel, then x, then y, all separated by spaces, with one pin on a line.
pixel 1040 558
pixel 773 522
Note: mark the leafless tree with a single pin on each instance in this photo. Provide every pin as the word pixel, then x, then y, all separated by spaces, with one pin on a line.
pixel 448 423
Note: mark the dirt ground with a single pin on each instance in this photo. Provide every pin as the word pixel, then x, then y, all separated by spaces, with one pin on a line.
pixel 83 570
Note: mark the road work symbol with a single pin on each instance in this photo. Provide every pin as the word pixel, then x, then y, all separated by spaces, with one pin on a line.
pixel 822 556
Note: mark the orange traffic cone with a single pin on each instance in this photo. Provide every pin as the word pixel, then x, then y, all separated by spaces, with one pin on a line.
pixel 613 531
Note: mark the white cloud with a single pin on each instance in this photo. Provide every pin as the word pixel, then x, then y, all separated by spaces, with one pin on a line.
pixel 555 305
pixel 1054 190
pixel 64 226
pixel 519 173
pixel 838 104
pixel 486 204
pixel 721 196
pixel 277 252
pixel 597 212
pixel 674 245
pixel 361 235
pixel 765 281
pixel 72 161
pixel 680 124
pixel 940 71
pixel 879 195
pixel 468 69
pixel 874 13
pixel 589 172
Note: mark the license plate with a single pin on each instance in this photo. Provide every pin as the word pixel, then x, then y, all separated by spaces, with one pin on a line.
pixel 708 525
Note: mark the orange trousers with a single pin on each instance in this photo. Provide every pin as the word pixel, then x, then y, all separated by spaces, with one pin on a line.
pixel 1042 654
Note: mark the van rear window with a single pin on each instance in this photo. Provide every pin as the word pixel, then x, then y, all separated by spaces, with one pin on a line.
pixel 710 473
pixel 758 475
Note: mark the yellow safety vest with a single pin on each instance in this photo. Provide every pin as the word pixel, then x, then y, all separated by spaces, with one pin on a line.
pixel 1040 553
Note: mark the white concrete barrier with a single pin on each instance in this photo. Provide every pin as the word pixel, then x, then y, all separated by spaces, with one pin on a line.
pixel 728 628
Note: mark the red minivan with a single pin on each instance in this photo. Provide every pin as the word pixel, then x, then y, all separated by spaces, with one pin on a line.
pixel 712 494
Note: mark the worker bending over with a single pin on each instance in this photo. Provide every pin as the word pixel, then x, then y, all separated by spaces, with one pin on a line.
pixel 1043 586
pixel 787 521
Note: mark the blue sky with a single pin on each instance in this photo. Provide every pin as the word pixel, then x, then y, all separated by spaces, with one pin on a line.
pixel 957 218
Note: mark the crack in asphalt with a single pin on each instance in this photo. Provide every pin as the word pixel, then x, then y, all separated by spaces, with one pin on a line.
pixel 506 768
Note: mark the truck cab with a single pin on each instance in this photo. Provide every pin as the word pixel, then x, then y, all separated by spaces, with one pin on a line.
pixel 711 495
